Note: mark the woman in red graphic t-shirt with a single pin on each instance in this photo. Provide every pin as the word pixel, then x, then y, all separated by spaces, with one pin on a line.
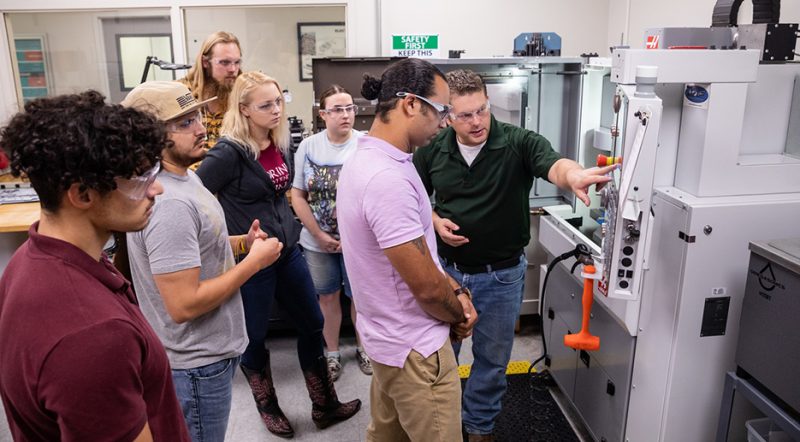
pixel 249 170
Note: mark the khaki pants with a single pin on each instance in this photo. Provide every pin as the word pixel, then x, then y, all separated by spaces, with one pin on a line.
pixel 419 402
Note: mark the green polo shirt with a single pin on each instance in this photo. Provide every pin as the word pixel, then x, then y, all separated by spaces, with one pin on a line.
pixel 488 200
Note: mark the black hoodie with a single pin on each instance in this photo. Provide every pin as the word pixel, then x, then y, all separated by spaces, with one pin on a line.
pixel 246 192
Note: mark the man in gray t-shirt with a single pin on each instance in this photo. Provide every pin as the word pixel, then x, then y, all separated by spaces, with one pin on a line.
pixel 187 231
pixel 184 271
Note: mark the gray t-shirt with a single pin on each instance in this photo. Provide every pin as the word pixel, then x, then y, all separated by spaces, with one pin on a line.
pixel 317 163
pixel 187 230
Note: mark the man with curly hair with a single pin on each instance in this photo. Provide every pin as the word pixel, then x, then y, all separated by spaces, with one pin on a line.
pixel 183 267
pixel 78 360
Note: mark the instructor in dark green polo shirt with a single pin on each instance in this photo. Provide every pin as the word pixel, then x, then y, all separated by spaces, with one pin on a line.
pixel 481 171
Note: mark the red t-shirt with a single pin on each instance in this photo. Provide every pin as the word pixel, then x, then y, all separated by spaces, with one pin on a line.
pixel 272 162
pixel 78 360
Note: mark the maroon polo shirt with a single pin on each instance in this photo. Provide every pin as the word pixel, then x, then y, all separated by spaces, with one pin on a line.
pixel 78 361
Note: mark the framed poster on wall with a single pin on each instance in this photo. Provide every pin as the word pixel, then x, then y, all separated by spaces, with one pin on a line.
pixel 34 77
pixel 319 40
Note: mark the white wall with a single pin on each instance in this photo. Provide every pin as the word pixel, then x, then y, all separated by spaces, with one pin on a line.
pixel 486 29
pixel 617 24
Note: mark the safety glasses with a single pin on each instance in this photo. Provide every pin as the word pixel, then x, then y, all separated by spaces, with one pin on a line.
pixel 135 188
pixel 442 109
pixel 226 63
pixel 340 111
pixel 187 123
pixel 466 117
pixel 268 106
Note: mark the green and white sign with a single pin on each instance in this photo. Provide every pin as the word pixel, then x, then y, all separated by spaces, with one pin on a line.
pixel 420 46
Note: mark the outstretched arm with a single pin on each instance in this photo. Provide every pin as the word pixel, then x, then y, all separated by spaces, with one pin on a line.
pixel 569 175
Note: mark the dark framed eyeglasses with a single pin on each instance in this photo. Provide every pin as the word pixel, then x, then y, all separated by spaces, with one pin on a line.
pixel 442 109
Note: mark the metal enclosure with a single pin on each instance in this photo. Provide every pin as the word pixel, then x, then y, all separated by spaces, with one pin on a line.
pixel 769 340
pixel 597 382
pixel 723 172
pixel 678 371
pixel 348 73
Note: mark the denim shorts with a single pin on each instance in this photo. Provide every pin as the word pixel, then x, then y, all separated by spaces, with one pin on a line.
pixel 327 272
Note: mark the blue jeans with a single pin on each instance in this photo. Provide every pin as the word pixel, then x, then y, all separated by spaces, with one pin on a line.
pixel 497 297
pixel 205 397
pixel 288 282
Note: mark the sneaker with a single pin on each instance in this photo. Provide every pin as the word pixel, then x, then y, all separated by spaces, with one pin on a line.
pixel 363 362
pixel 334 367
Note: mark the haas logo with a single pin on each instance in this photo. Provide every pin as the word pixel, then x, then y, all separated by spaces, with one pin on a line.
pixel 652 42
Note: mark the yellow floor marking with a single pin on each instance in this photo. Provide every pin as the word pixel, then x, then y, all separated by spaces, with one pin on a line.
pixel 514 367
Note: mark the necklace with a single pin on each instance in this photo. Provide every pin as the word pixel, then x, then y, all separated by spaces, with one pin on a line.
pixel 163 160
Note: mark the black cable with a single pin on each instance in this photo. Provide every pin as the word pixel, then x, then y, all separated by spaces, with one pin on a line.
pixel 580 249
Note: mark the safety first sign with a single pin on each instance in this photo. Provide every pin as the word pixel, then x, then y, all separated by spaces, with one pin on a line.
pixel 419 46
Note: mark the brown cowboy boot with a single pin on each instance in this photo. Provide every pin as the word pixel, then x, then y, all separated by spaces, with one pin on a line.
pixel 326 409
pixel 267 401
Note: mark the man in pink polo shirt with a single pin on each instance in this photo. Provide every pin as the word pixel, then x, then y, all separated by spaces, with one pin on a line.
pixel 407 307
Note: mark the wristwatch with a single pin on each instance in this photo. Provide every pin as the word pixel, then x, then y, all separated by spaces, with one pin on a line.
pixel 463 291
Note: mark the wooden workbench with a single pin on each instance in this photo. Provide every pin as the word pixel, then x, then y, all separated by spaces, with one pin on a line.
pixel 17 217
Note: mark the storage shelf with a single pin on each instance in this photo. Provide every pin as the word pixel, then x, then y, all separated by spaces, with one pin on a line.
pixel 735 384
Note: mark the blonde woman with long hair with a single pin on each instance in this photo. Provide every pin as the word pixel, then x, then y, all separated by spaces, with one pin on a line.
pixel 250 171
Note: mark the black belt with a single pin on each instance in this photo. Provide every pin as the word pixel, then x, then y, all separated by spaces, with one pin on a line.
pixel 486 268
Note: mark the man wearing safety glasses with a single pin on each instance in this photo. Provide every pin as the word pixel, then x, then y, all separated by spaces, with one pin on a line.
pixel 408 308
pixel 183 266
pixel 78 360
pixel 216 67
pixel 481 171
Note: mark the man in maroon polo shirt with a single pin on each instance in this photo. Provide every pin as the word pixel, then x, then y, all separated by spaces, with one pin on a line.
pixel 78 361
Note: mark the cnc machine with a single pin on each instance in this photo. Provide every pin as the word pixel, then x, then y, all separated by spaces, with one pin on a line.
pixel 709 163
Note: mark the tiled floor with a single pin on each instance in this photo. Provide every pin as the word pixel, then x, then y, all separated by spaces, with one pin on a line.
pixel 245 425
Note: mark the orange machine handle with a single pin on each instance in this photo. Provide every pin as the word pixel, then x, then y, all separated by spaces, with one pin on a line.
pixel 603 160
pixel 584 340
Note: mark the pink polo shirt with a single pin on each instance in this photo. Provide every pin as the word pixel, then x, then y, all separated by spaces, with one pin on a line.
pixel 382 203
